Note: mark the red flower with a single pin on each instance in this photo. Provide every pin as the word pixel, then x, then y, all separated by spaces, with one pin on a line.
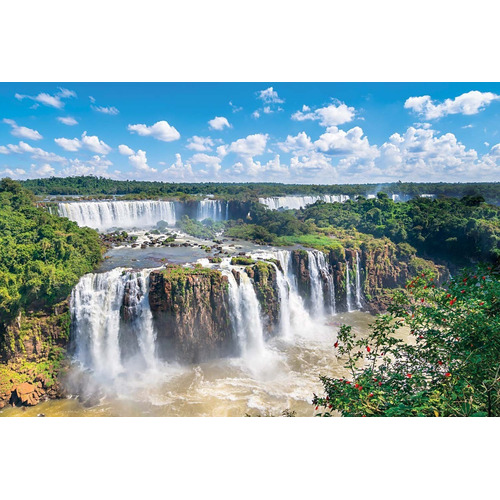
pixel 368 348
pixel 356 385
pixel 448 295
pixel 425 287
pixel 484 277
pixel 422 300
pixel 420 336
pixel 360 387
pixel 380 383
pixel 462 291
pixel 481 303
pixel 440 362
pixel 408 375
pixel 347 381
pixel 447 374
pixel 316 408
pixel 370 395
pixel 374 379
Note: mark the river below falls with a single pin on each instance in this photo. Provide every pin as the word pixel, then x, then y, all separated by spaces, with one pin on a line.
pixel 284 379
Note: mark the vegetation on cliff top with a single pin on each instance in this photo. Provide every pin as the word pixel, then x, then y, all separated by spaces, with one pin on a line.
pixel 42 256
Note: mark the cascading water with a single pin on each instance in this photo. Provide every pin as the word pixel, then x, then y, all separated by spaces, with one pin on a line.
pixel 358 282
pixel 245 311
pixel 105 215
pixel 107 308
pixel 297 202
pixel 216 210
pixel 348 288
pixel 317 296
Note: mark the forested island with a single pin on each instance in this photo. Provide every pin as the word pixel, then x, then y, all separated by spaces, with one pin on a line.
pixel 425 257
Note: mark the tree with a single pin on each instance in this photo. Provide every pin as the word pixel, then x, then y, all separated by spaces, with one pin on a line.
pixel 449 365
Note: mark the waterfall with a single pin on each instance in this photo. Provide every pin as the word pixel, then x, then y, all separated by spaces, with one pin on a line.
pixel 99 303
pixel 216 210
pixel 358 282
pixel 348 289
pixel 105 215
pixel 245 311
pixel 317 297
pixel 297 202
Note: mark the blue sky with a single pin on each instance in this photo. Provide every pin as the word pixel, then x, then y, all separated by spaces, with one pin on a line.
pixel 280 132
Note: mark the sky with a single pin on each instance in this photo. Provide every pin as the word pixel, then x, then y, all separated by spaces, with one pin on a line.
pixel 321 133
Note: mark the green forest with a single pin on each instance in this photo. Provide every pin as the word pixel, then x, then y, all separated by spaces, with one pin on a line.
pixel 42 256
pixel 100 187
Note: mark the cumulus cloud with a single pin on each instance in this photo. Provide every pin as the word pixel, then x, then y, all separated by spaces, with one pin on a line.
pixel 200 144
pixel 23 132
pixel 67 120
pixel 252 145
pixel 300 143
pixel 125 150
pixel 256 114
pixel 328 116
pixel 45 170
pixel 68 144
pixel 35 153
pixel 140 162
pixel 210 161
pixel 340 143
pixel 218 123
pixel 269 96
pixel 97 166
pixel 235 108
pixel 12 173
pixel 160 130
pixel 469 103
pixel 90 142
pixel 179 170
pixel 53 101
pixel 107 110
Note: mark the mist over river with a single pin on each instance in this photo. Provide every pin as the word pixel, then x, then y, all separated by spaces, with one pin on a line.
pixel 285 380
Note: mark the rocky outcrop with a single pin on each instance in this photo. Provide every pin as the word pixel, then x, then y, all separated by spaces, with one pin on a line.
pixel 191 313
pixel 300 266
pixel 32 353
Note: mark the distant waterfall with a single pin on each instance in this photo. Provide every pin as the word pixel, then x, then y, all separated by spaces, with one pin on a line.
pixel 296 202
pixel 358 282
pixel 105 215
pixel 103 339
pixel 216 210
pixel 245 310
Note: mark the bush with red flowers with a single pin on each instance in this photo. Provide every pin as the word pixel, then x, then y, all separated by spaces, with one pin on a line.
pixel 450 367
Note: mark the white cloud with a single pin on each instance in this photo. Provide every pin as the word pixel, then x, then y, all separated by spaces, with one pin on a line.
pixel 160 130
pixel 97 166
pixel 179 170
pixel 213 162
pixel 45 170
pixel 269 96
pixel 340 143
pixel 140 162
pixel 14 174
pixel 218 123
pixel 252 145
pixel 301 144
pixel 53 101
pixel 469 103
pixel 125 150
pixel 23 132
pixel 256 114
pixel 67 120
pixel 90 142
pixel 68 144
pixel 36 153
pixel 328 116
pixel 235 108
pixel 200 144
pixel 107 110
